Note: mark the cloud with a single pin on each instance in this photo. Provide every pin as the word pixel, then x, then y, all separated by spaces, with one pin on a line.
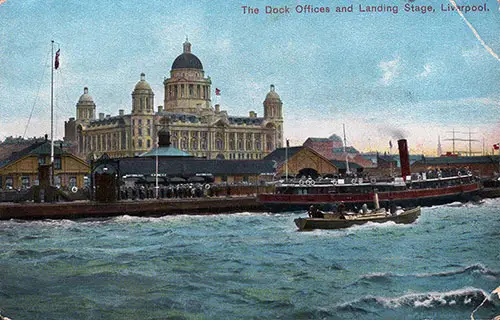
pixel 390 70
pixel 427 71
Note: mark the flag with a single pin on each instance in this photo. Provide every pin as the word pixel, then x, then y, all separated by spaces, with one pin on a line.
pixel 287 143
pixel 496 146
pixel 390 144
pixel 56 62
pixel 217 91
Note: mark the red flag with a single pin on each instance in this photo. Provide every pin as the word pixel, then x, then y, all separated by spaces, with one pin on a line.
pixel 390 144
pixel 496 146
pixel 56 62
pixel 217 91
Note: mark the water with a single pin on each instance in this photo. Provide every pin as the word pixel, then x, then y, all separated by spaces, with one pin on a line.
pixel 252 266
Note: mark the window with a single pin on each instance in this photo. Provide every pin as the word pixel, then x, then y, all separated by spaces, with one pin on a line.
pixel 148 144
pixel 72 182
pixel 219 145
pixel 1 185
pixel 57 164
pixel 9 183
pixel 139 143
pixel 41 160
pixel 139 131
pixel 124 141
pixel 57 181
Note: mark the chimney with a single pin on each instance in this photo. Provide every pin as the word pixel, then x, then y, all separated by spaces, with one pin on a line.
pixel 253 114
pixel 217 108
pixel 121 112
pixel 160 108
pixel 108 116
pixel 101 116
pixel 404 158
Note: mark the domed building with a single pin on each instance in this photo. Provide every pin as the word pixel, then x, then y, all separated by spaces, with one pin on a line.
pixel 196 126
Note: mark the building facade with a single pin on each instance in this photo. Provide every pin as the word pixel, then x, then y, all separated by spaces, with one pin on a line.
pixel 21 169
pixel 196 126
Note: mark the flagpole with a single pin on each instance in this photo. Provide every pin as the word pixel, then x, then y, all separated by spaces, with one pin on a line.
pixel 286 160
pixel 52 116
pixel 156 187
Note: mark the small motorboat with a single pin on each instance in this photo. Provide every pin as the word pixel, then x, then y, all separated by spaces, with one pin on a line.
pixel 328 220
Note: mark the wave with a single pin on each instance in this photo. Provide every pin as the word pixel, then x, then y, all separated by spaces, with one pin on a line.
pixel 466 297
pixel 386 276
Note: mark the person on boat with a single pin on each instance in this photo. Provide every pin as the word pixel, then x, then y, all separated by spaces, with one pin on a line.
pixel 314 212
pixel 364 208
pixel 341 209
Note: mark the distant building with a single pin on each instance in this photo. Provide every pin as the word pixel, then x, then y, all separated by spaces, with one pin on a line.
pixel 196 126
pixel 301 161
pixel 332 148
pixel 20 169
pixel 15 144
pixel 483 166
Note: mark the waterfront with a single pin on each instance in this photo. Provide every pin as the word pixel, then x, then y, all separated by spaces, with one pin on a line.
pixel 251 265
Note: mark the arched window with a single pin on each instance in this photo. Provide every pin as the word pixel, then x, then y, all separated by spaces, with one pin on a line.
pixel 194 144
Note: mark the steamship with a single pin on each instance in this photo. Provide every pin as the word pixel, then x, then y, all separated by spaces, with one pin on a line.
pixel 410 190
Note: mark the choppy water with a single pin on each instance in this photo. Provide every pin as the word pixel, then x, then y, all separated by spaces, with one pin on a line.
pixel 252 266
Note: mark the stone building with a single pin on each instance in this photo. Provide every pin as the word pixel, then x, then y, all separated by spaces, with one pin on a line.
pixel 196 126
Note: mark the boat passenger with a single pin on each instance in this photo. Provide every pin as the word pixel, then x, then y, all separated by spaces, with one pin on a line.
pixel 364 208
pixel 341 209
pixel 314 212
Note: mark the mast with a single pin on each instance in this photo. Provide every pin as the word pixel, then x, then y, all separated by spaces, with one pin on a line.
pixel 286 160
pixel 347 171
pixel 52 116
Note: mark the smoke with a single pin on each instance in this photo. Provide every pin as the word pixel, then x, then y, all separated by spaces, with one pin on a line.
pixel 394 133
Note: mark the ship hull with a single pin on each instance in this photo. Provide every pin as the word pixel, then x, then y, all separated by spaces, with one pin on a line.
pixel 407 198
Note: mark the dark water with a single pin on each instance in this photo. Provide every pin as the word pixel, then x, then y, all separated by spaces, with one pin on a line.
pixel 252 266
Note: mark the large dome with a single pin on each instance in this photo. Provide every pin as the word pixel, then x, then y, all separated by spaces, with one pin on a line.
pixel 187 60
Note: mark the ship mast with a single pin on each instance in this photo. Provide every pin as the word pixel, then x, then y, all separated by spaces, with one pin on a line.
pixel 347 171
pixel 52 117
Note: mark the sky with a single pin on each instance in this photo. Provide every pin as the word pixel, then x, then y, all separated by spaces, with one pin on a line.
pixel 384 75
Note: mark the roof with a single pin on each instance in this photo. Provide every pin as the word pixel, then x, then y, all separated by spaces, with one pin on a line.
pixel 182 117
pixel 245 120
pixel 458 160
pixel 166 152
pixel 280 154
pixel 342 165
pixel 187 61
pixel 37 148
pixel 192 166
pixel 347 149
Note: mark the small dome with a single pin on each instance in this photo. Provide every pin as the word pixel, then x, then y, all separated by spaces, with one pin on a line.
pixel 85 97
pixel 187 60
pixel 272 95
pixel 142 84
pixel 335 138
